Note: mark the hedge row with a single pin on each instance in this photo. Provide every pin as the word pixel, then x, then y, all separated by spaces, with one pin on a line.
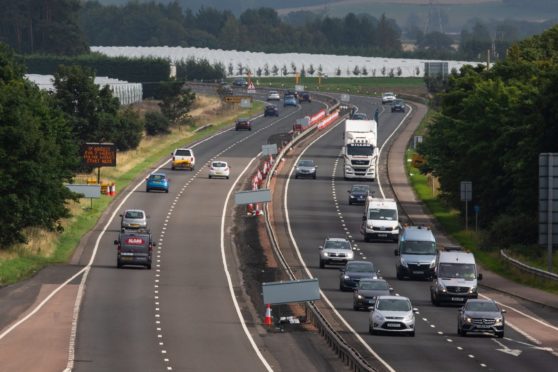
pixel 148 71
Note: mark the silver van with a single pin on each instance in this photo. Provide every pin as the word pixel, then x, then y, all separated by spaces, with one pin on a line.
pixel 416 254
pixel 455 277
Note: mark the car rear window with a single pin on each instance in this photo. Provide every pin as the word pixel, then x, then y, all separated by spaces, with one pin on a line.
pixel 360 267
pixel 134 214
pixel 183 152
pixel 135 240
pixel 157 177
pixel 219 164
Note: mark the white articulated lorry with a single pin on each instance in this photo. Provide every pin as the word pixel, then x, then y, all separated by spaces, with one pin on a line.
pixel 360 149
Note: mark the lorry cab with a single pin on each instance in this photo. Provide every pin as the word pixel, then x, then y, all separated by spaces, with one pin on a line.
pixel 455 278
pixel 380 220
pixel 416 254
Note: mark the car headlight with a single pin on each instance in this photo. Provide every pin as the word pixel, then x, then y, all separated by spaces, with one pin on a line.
pixel 346 277
pixel 468 320
pixel 360 297
pixel 473 290
pixel 348 169
pixel 498 321
pixel 379 317
pixel 441 287
pixel 350 255
pixel 370 226
pixel 326 254
pixel 403 262
pixel 433 263
pixel 409 318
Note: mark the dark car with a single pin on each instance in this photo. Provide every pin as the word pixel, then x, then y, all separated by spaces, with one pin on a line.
pixel 240 82
pixel 481 316
pixel 367 290
pixel 304 97
pixel 243 123
pixel 359 116
pixel 293 93
pixel 398 106
pixel 358 194
pixel 353 272
pixel 271 110
pixel 134 248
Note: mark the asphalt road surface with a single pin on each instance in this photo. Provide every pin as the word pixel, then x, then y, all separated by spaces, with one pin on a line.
pixel 319 208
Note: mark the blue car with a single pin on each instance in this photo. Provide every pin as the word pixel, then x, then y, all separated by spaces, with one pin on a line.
pixel 157 181
pixel 289 101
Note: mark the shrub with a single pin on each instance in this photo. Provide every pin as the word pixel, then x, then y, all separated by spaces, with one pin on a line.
pixel 156 123
pixel 511 229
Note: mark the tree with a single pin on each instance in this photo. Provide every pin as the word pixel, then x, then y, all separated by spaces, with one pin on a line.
pixel 156 123
pixel 275 70
pixel 436 41
pixel 37 154
pixel 311 70
pixel 177 103
pixel 356 70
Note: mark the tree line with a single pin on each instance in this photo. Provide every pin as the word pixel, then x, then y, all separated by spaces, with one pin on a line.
pixel 491 127
pixel 41 134
pixel 70 26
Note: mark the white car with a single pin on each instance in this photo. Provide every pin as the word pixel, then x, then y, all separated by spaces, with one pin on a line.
pixel 392 314
pixel 273 95
pixel 388 97
pixel 335 251
pixel 219 168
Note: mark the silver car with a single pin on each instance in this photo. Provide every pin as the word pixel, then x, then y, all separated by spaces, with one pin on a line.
pixel 306 168
pixel 392 314
pixel 335 251
pixel 133 219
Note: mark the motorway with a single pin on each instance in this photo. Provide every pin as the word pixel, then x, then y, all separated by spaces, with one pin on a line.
pixel 189 312
pixel 316 209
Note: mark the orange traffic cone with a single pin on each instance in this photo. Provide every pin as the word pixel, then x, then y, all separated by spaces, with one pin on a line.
pixel 268 319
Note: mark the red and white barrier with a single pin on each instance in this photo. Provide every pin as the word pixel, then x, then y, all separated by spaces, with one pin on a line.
pixel 317 117
pixel 328 120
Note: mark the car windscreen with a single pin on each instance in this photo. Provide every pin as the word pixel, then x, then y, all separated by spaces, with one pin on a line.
pixel 134 214
pixel 306 163
pixel 481 306
pixel 456 270
pixel 183 153
pixel 359 150
pixel 360 267
pixel 360 189
pixel 382 214
pixel 418 247
pixel 337 244
pixel 394 305
pixel 373 285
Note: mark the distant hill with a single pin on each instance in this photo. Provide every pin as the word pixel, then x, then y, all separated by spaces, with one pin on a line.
pixel 447 16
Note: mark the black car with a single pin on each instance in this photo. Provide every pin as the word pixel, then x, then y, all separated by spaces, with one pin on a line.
pixel 398 105
pixel 243 124
pixel 240 82
pixel 359 116
pixel 271 110
pixel 353 272
pixel 134 248
pixel 481 316
pixel 367 291
pixel 304 97
pixel 358 194
pixel 291 93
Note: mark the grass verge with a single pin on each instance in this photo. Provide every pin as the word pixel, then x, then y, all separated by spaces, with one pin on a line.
pixel 23 261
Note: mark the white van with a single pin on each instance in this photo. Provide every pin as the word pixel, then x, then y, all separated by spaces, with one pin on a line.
pixel 380 220
pixel 455 277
